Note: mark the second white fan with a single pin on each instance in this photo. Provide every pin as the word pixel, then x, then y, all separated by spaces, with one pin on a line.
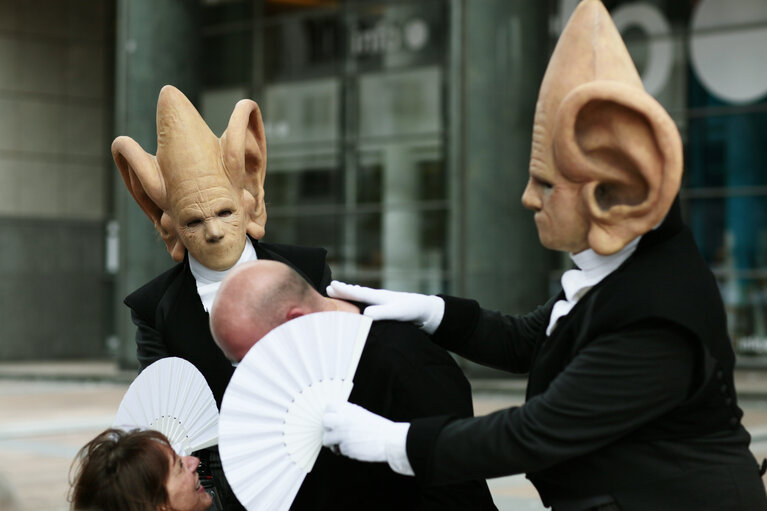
pixel 270 429
pixel 172 397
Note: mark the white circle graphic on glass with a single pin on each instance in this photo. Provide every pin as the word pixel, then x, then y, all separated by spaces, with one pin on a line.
pixel 416 34
pixel 727 48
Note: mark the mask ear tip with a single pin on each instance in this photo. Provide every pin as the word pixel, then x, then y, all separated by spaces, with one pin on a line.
pixel 255 230
pixel 244 150
pixel 175 249
pixel 119 142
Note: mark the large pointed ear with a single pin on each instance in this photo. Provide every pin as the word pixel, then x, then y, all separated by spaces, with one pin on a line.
pixel 141 174
pixel 626 150
pixel 243 145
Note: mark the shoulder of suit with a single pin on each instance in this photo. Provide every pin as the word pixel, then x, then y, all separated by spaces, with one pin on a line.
pixel 668 281
pixel 406 341
pixel 144 300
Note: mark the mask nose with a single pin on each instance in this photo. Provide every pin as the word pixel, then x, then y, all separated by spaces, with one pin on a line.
pixel 213 230
pixel 530 198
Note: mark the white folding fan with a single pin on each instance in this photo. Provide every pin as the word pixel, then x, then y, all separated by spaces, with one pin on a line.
pixel 270 429
pixel 172 397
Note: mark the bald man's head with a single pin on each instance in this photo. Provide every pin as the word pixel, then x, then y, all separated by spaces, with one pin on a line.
pixel 255 298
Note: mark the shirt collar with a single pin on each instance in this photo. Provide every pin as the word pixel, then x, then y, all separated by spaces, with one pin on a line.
pixel 593 264
pixel 592 268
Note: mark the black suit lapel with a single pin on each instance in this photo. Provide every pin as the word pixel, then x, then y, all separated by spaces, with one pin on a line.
pixel 187 333
pixel 177 296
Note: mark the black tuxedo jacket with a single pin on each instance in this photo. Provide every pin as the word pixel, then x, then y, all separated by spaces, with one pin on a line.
pixel 401 375
pixel 171 321
pixel 630 400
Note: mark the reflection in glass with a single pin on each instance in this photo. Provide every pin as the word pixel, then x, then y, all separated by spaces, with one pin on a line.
pixel 353 107
pixel 309 230
pixel 304 47
pixel 726 187
pixel 305 187
pixel 432 180
pixel 369 255
pixel 433 277
pixel 369 183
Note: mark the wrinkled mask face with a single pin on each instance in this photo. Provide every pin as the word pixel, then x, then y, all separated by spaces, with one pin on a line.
pixel 605 161
pixel 208 217
pixel 560 214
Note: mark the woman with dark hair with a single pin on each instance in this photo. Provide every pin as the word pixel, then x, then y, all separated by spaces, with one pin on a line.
pixel 135 471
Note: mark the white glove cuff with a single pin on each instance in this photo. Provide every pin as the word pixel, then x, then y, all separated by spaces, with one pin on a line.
pixel 396 449
pixel 436 311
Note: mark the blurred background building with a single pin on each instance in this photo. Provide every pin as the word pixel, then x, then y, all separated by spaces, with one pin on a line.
pixel 398 138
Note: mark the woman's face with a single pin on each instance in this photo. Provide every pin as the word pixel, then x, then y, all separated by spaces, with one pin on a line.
pixel 185 493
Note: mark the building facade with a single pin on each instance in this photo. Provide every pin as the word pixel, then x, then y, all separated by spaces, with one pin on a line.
pixel 398 138
pixel 56 96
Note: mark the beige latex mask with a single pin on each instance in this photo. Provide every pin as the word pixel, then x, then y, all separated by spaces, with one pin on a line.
pixel 202 193
pixel 606 159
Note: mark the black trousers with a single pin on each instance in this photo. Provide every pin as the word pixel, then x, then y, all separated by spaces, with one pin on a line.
pixel 606 507
pixel 600 503
pixel 612 506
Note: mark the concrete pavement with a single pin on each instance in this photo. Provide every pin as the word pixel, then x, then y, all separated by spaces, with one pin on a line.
pixel 48 410
pixel 750 375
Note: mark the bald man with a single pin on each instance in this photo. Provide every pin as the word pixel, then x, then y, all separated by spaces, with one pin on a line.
pixel 401 376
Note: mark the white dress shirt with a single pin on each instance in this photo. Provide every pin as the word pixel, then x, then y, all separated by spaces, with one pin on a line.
pixel 208 281
pixel 592 268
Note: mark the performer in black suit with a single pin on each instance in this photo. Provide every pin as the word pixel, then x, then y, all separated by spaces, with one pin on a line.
pixel 205 197
pixel 630 402
pixel 171 321
pixel 401 375
pixel 630 398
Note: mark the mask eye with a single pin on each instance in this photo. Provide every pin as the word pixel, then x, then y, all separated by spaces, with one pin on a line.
pixel 225 213
pixel 193 223
pixel 542 183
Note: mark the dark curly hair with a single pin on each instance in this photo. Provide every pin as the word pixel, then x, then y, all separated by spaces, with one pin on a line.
pixel 121 471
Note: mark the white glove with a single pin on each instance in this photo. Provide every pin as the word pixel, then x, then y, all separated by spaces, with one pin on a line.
pixel 425 311
pixel 365 436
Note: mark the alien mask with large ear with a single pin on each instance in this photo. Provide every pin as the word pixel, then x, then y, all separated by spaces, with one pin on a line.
pixel 181 188
pixel 597 126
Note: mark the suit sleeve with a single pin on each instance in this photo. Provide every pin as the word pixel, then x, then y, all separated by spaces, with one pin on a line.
pixel 150 345
pixel 488 337
pixel 143 304
pixel 616 384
